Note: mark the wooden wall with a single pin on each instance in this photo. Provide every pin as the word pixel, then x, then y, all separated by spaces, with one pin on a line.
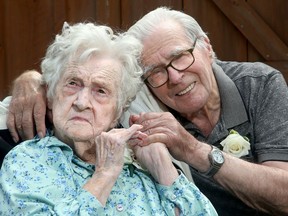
pixel 240 30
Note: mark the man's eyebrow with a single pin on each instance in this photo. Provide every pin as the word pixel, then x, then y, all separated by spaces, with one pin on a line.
pixel 177 51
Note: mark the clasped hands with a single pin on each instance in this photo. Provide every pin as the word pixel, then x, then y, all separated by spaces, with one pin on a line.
pixel 154 157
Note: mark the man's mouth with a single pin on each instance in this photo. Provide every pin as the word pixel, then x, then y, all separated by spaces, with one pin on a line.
pixel 189 88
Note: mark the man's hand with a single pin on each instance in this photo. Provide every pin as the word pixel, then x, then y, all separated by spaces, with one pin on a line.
pixel 27 109
pixel 164 128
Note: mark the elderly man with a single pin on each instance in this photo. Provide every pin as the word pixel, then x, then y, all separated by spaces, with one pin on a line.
pixel 211 104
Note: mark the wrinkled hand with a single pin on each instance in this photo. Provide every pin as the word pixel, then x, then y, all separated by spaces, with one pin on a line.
pixel 156 159
pixel 110 148
pixel 28 107
pixel 164 128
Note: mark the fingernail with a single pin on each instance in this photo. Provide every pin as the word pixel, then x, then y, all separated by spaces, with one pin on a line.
pixel 15 139
pixel 40 134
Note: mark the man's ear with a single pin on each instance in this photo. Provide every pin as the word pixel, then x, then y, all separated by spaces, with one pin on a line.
pixel 209 49
pixel 208 44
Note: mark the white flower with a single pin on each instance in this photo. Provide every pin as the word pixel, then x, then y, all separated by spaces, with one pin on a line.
pixel 235 144
pixel 128 156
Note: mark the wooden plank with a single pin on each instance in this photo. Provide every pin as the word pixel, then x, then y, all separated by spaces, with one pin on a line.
pixel 42 22
pixel 109 13
pixel 254 28
pixel 59 15
pixel 80 11
pixel 18 30
pixel 3 89
pixel 272 13
pixel 132 10
pixel 222 33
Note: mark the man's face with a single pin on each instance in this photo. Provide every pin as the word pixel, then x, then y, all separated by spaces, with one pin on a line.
pixel 187 91
pixel 85 100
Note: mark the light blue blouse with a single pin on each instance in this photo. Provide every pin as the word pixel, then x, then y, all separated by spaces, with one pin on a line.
pixel 44 177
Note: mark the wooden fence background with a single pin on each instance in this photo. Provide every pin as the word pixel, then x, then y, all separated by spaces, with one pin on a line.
pixel 239 30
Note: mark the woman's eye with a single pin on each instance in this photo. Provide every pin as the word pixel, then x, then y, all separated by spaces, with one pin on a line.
pixel 101 91
pixel 74 83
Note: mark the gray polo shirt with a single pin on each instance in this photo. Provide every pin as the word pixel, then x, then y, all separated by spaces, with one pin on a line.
pixel 254 102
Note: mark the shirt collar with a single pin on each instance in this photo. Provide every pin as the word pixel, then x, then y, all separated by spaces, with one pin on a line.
pixel 233 109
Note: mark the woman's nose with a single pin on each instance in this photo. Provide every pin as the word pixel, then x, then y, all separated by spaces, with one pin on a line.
pixel 83 100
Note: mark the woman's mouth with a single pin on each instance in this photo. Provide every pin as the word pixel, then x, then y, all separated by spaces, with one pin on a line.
pixel 189 88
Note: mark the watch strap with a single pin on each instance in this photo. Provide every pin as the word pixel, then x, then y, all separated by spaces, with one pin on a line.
pixel 214 167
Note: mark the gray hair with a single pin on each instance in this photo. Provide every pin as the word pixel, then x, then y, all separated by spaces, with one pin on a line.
pixel 148 23
pixel 79 42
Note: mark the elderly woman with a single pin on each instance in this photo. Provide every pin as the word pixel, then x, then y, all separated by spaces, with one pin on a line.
pixel 79 168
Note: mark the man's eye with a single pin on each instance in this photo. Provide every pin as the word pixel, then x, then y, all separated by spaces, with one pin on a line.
pixel 157 72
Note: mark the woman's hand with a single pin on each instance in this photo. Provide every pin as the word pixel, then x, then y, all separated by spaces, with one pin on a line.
pixel 156 159
pixel 109 160
pixel 110 148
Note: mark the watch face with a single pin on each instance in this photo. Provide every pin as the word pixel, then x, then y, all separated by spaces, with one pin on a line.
pixel 218 157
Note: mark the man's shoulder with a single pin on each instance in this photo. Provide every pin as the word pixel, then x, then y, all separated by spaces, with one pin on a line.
pixel 250 70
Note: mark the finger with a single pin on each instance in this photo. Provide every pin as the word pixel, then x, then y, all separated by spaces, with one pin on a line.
pixel 135 141
pixel 12 127
pixel 27 128
pixel 129 132
pixel 150 120
pixel 39 113
pixel 123 135
pixel 133 119
pixel 138 135
pixel 159 137
pixel 18 121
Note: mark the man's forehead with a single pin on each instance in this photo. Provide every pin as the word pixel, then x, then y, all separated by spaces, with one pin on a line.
pixel 157 53
pixel 165 40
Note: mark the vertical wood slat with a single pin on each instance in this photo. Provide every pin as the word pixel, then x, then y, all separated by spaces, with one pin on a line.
pixel 254 28
pixel 3 78
pixel 109 13
pixel 80 11
pixel 132 10
pixel 227 41
pixel 28 28
pixel 17 37
pixel 271 13
pixel 274 13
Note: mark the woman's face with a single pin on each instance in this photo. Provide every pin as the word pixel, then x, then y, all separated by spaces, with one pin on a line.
pixel 85 101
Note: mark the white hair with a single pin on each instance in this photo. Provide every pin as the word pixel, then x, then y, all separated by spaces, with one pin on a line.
pixel 78 42
pixel 151 21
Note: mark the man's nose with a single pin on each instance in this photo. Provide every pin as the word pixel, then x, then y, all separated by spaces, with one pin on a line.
pixel 174 75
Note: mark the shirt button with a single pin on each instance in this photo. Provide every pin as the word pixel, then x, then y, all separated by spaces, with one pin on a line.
pixel 173 197
pixel 120 207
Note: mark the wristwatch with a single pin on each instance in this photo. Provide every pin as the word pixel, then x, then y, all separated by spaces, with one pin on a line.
pixel 216 159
